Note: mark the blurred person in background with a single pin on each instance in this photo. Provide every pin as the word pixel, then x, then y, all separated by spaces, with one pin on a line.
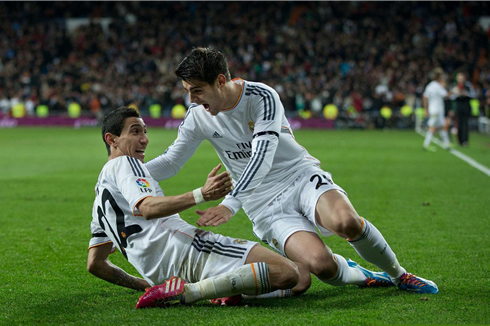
pixel 433 102
pixel 463 93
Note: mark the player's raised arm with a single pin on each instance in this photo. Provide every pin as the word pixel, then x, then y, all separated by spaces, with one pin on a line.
pixel 179 152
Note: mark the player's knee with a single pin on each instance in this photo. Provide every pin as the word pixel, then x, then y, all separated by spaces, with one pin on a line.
pixel 347 223
pixel 321 264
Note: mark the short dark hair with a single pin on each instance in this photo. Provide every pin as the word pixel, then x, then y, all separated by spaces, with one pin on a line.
pixel 203 64
pixel 114 122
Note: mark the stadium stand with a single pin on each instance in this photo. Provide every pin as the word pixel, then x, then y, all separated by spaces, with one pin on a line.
pixel 359 56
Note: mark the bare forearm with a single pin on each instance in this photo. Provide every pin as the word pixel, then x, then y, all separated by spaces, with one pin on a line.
pixel 113 274
pixel 216 187
pixel 156 207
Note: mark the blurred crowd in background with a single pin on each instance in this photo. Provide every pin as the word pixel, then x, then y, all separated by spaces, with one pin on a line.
pixel 359 56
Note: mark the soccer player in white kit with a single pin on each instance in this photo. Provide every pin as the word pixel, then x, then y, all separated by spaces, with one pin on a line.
pixel 277 182
pixel 131 213
pixel 433 102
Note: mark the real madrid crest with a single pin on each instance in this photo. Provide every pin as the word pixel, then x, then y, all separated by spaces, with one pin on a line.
pixel 275 243
pixel 251 126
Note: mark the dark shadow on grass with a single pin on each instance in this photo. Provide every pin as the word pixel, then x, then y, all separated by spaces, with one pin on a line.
pixel 74 305
pixel 341 298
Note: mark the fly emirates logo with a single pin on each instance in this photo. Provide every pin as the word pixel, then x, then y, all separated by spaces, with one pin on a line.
pixel 244 151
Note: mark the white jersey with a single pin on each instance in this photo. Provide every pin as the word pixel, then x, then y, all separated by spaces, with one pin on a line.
pixel 149 245
pixel 435 94
pixel 253 140
pixel 157 248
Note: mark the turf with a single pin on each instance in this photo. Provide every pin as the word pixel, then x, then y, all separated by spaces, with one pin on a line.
pixel 433 209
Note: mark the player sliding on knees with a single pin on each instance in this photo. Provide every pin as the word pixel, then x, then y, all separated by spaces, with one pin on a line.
pixel 131 213
pixel 281 187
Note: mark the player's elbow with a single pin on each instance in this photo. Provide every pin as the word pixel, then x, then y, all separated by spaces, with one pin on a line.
pixel 146 210
pixel 149 214
pixel 92 267
pixel 97 268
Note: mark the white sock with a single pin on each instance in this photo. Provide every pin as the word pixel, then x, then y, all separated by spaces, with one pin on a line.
pixel 274 294
pixel 444 137
pixel 250 279
pixel 372 247
pixel 346 275
pixel 428 138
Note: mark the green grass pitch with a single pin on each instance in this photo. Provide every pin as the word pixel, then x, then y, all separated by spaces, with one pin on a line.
pixel 433 209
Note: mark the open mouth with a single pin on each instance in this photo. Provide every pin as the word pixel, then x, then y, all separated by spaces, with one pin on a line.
pixel 206 106
pixel 140 155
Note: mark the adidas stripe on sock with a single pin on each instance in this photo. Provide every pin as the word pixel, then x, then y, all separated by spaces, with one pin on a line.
pixel 251 279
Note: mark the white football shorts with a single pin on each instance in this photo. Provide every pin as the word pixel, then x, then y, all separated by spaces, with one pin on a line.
pixel 436 121
pixel 200 254
pixel 293 210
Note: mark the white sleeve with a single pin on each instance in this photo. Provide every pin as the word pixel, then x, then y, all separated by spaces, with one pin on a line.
pixel 134 182
pixel 454 95
pixel 442 91
pixel 99 237
pixel 173 159
pixel 471 92
pixel 267 112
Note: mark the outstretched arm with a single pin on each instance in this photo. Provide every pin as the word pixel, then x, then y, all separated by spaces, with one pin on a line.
pixel 98 264
pixel 216 187
pixel 179 152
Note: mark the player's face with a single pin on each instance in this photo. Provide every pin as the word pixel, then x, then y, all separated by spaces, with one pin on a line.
pixel 133 139
pixel 204 94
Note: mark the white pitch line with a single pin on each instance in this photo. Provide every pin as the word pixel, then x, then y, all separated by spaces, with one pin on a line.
pixel 462 156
